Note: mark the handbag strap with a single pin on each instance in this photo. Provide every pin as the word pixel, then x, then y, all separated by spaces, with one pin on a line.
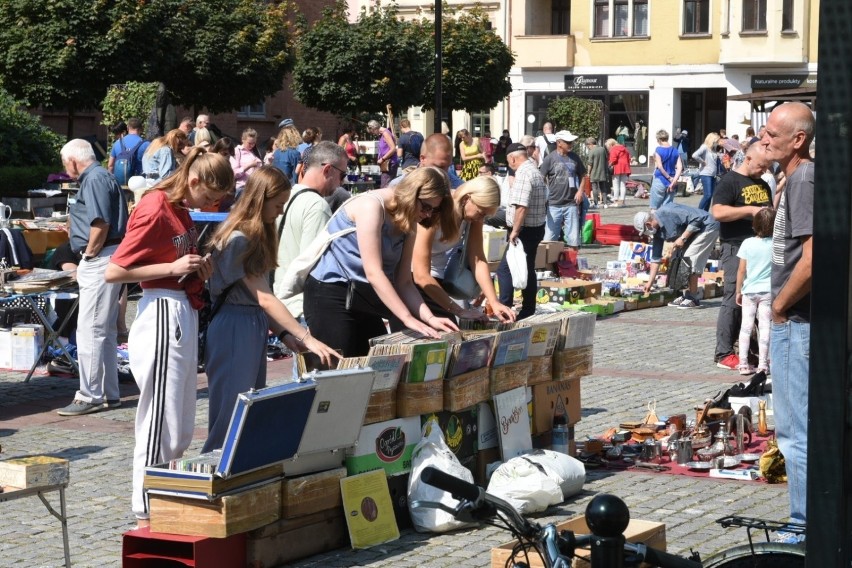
pixel 465 235
pixel 220 300
pixel 289 203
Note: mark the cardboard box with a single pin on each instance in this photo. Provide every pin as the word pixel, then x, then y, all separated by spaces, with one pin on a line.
pixel 382 406
pixel 231 514
pixel 486 426
pixel 494 244
pixel 466 390
pixel 414 399
pixel 541 256
pixel 554 250
pixel 33 471
pixel 312 493
pixel 27 341
pixel 460 430
pixel 508 377
pixel 385 445
pixel 556 398
pixel 646 532
pixel 569 290
pixel 288 540
pixel 541 370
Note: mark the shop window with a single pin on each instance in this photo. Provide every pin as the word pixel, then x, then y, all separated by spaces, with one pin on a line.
pixel 696 17
pixel 754 15
pixel 253 111
pixel 787 16
pixel 560 17
pixel 480 123
pixel 621 18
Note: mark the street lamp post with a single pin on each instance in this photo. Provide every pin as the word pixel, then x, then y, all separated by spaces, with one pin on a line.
pixel 438 67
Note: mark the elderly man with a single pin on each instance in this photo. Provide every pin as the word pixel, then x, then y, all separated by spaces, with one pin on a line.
pixel 562 170
pixel 525 216
pixel 98 221
pixel 687 227
pixel 789 132
pixel 738 197
pixel 307 211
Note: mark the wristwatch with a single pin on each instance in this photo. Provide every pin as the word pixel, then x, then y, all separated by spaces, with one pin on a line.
pixel 87 256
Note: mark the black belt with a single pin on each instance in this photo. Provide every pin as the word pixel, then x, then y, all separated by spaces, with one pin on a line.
pixel 107 243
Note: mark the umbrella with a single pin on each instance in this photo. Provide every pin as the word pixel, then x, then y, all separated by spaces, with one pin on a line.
pixel 730 145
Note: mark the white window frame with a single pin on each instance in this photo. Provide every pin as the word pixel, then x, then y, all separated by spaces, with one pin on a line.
pixel 631 12
pixel 253 111
pixel 709 31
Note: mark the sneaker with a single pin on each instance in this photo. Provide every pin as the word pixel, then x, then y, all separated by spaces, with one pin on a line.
pixel 112 403
pixel 677 302
pixel 746 369
pixel 689 303
pixel 79 408
pixel 731 362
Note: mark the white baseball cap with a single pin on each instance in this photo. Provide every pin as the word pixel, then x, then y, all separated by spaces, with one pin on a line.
pixel 566 136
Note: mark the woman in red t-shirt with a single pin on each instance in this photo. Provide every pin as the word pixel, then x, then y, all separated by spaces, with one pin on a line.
pixel 160 250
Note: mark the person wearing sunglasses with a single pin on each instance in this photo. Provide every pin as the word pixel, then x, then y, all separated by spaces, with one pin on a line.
pixel 365 275
pixel 472 203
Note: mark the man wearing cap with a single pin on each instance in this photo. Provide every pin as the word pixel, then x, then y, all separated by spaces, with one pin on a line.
pixel 525 216
pixel 562 170
pixel 687 227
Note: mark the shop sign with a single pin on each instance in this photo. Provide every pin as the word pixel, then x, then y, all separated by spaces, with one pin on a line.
pixel 586 82
pixel 779 82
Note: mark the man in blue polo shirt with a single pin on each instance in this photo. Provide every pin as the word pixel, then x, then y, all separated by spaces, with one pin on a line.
pixel 98 222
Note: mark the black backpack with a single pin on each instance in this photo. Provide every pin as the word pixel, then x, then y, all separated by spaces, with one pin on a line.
pixel 415 141
pixel 126 165
pixel 551 146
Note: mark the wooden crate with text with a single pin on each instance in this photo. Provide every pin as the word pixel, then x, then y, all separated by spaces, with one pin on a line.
pixel 572 363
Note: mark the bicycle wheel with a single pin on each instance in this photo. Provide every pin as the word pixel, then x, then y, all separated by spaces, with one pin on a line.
pixel 766 555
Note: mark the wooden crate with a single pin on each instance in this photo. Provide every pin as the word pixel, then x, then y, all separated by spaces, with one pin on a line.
pixel 381 407
pixel 289 540
pixel 646 532
pixel 572 363
pixel 467 389
pixel 311 493
pixel 414 399
pixel 541 369
pixel 33 471
pixel 508 377
pixel 222 517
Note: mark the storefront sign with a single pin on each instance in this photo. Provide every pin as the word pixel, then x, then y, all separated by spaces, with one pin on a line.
pixel 586 82
pixel 779 82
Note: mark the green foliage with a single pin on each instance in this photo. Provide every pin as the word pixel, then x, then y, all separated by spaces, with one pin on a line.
pixel 54 52
pixel 16 181
pixel 24 140
pixel 129 100
pixel 583 117
pixel 347 68
pixel 475 62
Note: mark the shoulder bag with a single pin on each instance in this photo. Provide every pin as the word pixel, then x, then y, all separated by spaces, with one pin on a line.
pixel 459 281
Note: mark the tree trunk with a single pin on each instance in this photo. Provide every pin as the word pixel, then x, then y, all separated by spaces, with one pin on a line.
pixel 69 127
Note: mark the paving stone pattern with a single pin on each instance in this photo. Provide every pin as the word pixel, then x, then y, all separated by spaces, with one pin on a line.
pixel 662 354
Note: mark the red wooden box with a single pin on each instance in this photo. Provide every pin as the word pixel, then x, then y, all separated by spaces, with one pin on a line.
pixel 142 548
pixel 612 234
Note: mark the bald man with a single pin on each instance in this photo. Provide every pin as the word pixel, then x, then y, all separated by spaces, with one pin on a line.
pixel 789 132
pixel 738 197
pixel 437 151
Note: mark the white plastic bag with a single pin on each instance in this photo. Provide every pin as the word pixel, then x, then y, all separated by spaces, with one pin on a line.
pixel 525 485
pixel 433 450
pixel 568 472
pixel 517 260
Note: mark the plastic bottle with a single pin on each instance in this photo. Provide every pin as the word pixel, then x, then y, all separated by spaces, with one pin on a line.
pixel 559 436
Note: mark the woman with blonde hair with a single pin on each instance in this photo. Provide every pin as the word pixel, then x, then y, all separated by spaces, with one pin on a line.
pixel 366 274
pixel 203 137
pixel 708 158
pixel 244 249
pixel 286 156
pixel 473 202
pixel 160 250
pixel 163 155
pixel 471 155
pixel 667 170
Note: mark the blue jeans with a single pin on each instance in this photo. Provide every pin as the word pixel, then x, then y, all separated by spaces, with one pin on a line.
pixel 529 237
pixel 707 183
pixel 660 194
pixel 789 358
pixel 564 220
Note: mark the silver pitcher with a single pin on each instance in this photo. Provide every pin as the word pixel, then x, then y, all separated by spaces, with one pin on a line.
pixel 684 451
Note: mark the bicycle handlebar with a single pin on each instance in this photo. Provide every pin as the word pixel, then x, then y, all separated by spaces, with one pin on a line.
pixel 458 488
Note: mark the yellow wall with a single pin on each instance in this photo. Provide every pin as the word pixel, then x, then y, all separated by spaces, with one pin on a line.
pixel 813 36
pixel 664 46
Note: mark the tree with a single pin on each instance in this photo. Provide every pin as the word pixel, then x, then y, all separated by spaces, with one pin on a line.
pixel 129 100
pixel 347 68
pixel 475 62
pixel 24 140
pixel 584 117
pixel 54 53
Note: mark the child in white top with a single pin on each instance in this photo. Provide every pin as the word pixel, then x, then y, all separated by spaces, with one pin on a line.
pixel 753 290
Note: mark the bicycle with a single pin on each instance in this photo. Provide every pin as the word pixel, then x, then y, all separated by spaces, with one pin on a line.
pixel 607 516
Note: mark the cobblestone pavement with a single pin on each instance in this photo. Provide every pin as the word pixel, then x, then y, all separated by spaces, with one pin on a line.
pixel 660 354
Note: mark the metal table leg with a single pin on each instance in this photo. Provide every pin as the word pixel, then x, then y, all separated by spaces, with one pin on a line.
pixel 63 518
pixel 50 336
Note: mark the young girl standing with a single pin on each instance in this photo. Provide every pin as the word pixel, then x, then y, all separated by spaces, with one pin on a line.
pixel 160 250
pixel 753 290
pixel 244 250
